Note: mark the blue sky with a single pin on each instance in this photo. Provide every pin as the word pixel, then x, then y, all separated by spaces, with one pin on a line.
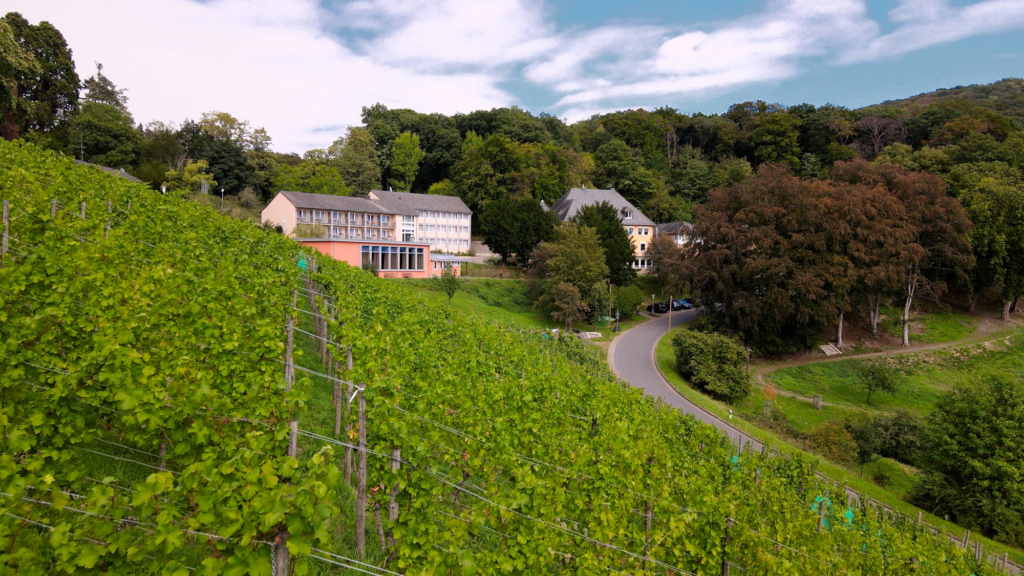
pixel 304 68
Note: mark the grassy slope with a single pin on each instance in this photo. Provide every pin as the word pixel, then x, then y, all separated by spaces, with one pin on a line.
pixel 892 497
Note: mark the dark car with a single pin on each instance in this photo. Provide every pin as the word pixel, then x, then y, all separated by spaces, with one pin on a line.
pixel 678 305
pixel 693 302
pixel 658 307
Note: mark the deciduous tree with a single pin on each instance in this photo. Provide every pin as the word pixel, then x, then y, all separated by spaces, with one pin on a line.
pixel 405 160
pixel 618 248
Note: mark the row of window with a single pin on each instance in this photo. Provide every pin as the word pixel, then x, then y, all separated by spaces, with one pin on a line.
pixel 444 229
pixel 393 257
pixel 443 215
pixel 446 242
pixel 640 230
pixel 339 218
pixel 641 263
pixel 358 234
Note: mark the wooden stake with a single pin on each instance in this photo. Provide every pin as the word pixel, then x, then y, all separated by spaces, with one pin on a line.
pixel 348 410
pixel 821 515
pixel 53 208
pixel 83 209
pixel 7 233
pixel 163 450
pixel 110 209
pixel 396 465
pixel 725 541
pixel 380 529
pixel 361 482
pixel 281 555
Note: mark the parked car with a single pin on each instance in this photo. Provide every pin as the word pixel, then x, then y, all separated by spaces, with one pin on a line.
pixel 658 307
pixel 678 305
pixel 693 302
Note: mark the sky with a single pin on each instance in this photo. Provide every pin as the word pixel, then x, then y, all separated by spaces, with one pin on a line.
pixel 303 69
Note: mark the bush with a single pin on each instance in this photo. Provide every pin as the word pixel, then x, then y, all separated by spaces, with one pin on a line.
pixel 713 363
pixel 627 299
pixel 831 440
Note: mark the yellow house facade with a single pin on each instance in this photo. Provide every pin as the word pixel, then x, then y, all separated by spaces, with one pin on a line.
pixel 640 228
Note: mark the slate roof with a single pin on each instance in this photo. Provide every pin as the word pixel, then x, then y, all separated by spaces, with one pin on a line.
pixel 574 200
pixel 116 172
pixel 674 228
pixel 422 201
pixel 349 203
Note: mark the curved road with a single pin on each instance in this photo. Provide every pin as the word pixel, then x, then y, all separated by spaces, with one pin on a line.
pixel 631 357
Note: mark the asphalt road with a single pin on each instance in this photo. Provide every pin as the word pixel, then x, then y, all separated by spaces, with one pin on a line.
pixel 631 357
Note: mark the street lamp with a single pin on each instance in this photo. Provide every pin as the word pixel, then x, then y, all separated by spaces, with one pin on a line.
pixel 221 198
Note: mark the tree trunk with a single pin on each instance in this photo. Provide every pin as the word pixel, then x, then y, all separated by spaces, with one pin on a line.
pixel 1013 307
pixel 974 304
pixel 906 318
pixel 839 331
pixel 1006 309
pixel 876 304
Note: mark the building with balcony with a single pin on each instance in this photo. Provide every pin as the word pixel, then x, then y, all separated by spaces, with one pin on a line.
pixel 640 228
pixel 443 222
pixel 340 217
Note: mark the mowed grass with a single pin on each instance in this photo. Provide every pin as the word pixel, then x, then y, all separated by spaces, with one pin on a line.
pixel 931 327
pixel 927 377
pixel 504 301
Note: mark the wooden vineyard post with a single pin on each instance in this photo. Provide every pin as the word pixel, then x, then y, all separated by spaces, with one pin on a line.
pixel 361 482
pixel 396 465
pixel 53 208
pixel 281 556
pixel 110 209
pixel 7 233
pixel 348 411
pixel 83 209
pixel 821 515
pixel 725 541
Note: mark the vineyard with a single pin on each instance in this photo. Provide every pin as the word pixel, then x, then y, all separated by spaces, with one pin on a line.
pixel 187 394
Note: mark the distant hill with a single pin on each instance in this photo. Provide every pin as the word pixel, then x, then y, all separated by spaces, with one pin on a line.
pixel 1005 97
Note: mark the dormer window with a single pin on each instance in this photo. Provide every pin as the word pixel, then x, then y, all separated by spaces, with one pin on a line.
pixel 626 214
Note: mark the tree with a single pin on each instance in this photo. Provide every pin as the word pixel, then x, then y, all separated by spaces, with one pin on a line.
pixel 104 131
pixel 833 441
pixel 357 161
pixel 776 139
pixel 879 377
pixel 993 195
pixel 574 257
pixel 15 63
pixel 566 304
pixel 769 256
pixel 973 459
pixel 937 250
pixel 405 160
pixel 713 363
pixel 190 178
pixel 618 248
pixel 101 90
pixel 515 227
pixel 868 439
pixel 621 170
pixel 627 299
pixel 448 283
pixel 51 87
pixel 229 165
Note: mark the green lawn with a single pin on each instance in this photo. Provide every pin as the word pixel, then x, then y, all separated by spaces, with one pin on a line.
pixel 928 376
pixel 900 481
pixel 504 301
pixel 931 327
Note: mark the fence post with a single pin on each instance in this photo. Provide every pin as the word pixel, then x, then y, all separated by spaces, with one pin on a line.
pixel 53 208
pixel 83 209
pixel 396 465
pixel 361 480
pixel 281 556
pixel 725 541
pixel 821 515
pixel 7 232
pixel 348 411
pixel 110 209
pixel 767 407
pixel 967 538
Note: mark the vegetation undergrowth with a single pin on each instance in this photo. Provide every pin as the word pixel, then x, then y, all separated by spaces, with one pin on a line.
pixel 519 453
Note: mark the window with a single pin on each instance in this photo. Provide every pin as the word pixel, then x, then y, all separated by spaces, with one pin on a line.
pixel 337 218
pixel 643 247
pixel 627 213
pixel 319 216
pixel 421 227
pixel 629 230
pixel 465 243
pixel 302 216
pixel 385 219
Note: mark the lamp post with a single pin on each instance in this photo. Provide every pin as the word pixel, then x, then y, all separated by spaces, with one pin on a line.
pixel 221 198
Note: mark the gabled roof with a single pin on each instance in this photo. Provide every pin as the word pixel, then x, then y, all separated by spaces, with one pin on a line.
pixel 116 172
pixel 675 228
pixel 413 201
pixel 309 201
pixel 574 200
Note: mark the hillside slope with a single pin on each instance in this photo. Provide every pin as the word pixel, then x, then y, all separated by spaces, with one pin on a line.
pixel 145 421
pixel 1005 97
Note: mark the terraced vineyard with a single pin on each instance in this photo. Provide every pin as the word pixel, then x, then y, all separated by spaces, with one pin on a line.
pixel 146 410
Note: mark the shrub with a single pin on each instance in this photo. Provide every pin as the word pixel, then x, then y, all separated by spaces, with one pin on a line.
pixel 713 363
pixel 831 440
pixel 627 299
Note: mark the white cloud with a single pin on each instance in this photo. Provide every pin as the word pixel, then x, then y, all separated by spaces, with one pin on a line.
pixel 303 70
pixel 262 60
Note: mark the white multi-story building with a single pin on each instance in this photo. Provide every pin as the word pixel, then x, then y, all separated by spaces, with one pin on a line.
pixel 443 222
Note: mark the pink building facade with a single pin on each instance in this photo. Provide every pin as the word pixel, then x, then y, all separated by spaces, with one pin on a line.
pixel 391 259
